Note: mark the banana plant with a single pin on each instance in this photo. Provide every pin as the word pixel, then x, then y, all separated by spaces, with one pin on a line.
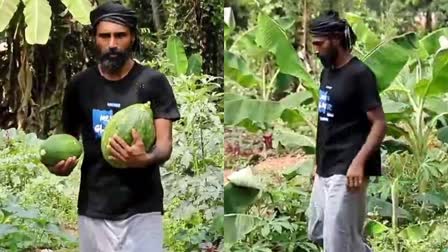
pixel 240 193
pixel 411 73
pixel 37 15
pixel 255 61
pixel 178 61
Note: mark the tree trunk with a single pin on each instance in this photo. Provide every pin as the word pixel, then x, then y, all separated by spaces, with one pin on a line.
pixel 304 24
pixel 428 24
pixel 156 14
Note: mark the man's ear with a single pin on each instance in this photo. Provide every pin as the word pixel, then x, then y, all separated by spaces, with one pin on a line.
pixel 133 39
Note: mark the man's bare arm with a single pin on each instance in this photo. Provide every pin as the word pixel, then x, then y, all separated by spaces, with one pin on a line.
pixel 376 135
pixel 164 142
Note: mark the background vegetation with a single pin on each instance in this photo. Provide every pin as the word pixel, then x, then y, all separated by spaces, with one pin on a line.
pixel 271 77
pixel 40 53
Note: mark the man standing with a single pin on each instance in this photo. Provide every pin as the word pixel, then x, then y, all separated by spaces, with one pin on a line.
pixel 119 209
pixel 351 127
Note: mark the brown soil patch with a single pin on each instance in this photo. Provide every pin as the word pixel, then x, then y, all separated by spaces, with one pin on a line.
pixel 273 166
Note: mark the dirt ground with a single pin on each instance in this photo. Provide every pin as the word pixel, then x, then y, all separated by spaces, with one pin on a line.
pixel 273 166
pixel 244 146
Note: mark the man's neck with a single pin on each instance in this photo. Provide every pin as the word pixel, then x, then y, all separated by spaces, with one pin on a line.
pixel 343 59
pixel 114 76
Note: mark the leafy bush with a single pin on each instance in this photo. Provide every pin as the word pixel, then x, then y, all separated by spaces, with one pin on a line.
pixel 30 201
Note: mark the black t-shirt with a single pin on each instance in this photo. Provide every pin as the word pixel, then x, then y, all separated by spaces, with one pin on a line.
pixel 345 96
pixel 90 100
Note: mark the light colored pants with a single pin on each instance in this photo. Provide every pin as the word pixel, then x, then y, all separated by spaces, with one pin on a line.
pixel 138 233
pixel 336 215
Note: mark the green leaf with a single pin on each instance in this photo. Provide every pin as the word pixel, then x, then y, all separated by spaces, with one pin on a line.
pixel 303 169
pixel 8 8
pixel 18 211
pixel 6 229
pixel 218 224
pixel 241 191
pixel 235 68
pixel 293 117
pixel 439 233
pixel 291 139
pixel 251 126
pixel 249 46
pixel 437 199
pixel 265 231
pixel 176 54
pixel 362 31
pixel 237 108
pixel 277 228
pixel 384 208
pixel 295 100
pixel 421 87
pixel 395 110
pixel 430 43
pixel 271 37
pixel 286 23
pixel 237 226
pixel 238 199
pixel 436 105
pixel 414 232
pixel 283 82
pixel 374 228
pixel 38 21
pixel 80 10
pixel 389 58
pixel 442 134
pixel 194 64
pixel 440 74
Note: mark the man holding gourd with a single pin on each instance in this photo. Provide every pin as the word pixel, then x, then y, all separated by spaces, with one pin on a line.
pixel 120 209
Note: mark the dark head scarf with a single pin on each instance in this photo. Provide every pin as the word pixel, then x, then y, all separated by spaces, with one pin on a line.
pixel 330 24
pixel 115 12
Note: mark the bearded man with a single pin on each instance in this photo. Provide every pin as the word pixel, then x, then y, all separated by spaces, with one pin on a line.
pixel 351 127
pixel 119 209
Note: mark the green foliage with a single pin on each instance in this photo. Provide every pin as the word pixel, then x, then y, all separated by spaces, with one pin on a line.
pixel 38 14
pixel 277 221
pixel 176 55
pixel 33 201
pixel 192 182
pixel 194 206
pixel 198 135
pixel 8 9
pixel 406 207
pixel 22 229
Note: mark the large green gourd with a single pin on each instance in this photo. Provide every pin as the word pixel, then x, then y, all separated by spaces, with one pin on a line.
pixel 59 147
pixel 138 116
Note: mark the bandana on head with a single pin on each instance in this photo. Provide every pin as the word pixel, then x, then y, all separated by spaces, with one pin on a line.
pixel 330 23
pixel 117 13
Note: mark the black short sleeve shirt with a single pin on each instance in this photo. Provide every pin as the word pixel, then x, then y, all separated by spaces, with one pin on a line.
pixel 345 96
pixel 90 100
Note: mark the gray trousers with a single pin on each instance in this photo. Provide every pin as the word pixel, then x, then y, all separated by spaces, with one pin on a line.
pixel 138 233
pixel 336 215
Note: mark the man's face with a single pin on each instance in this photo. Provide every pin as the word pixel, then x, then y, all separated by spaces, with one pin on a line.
pixel 326 49
pixel 113 43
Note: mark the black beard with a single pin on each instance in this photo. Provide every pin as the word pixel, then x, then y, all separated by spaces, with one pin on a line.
pixel 328 60
pixel 114 64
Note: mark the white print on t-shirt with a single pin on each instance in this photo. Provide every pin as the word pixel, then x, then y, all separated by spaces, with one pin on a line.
pixel 325 106
pixel 113 105
pixel 100 118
